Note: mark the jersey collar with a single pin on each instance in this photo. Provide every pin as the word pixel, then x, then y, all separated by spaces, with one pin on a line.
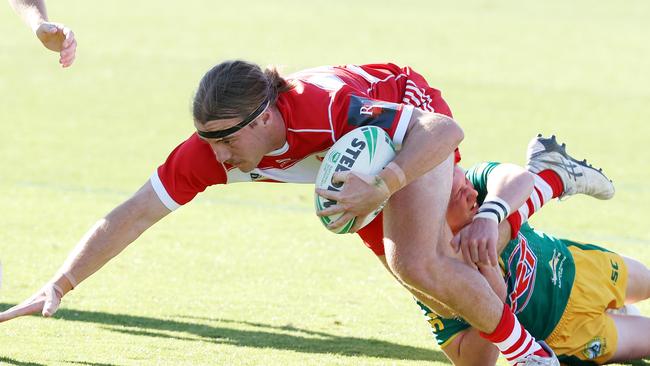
pixel 279 151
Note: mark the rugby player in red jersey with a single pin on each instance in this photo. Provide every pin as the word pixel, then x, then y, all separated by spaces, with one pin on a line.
pixel 254 125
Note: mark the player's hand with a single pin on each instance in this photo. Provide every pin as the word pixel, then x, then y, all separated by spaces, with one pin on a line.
pixel 478 242
pixel 45 301
pixel 361 195
pixel 58 38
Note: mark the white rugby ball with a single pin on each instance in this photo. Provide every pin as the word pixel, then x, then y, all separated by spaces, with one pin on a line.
pixel 365 150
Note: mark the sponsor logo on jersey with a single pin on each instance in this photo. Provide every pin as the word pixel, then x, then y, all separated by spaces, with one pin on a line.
pixel 614 276
pixel 364 112
pixel 595 348
pixel 557 268
pixel 524 261
pixel 256 176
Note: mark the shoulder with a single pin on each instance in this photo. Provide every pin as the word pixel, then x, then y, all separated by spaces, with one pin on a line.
pixel 189 169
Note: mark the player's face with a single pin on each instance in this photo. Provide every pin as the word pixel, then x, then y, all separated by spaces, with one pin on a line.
pixel 462 202
pixel 243 149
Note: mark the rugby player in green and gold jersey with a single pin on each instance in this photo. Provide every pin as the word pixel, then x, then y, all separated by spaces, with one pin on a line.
pixel 559 289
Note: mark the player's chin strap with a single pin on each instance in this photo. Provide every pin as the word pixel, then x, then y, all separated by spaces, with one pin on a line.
pixel 493 208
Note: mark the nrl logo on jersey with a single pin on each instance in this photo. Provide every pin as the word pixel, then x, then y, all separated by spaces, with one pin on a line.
pixel 525 264
pixel 594 348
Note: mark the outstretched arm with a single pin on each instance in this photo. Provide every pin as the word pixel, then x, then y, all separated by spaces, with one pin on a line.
pixel 54 36
pixel 107 238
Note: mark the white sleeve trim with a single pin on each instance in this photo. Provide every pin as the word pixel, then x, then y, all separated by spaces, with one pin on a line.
pixel 402 125
pixel 329 113
pixel 160 190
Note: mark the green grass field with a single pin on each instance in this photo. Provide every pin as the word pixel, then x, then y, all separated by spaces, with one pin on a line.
pixel 246 275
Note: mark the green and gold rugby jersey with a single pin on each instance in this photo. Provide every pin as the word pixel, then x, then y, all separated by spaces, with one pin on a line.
pixel 538 270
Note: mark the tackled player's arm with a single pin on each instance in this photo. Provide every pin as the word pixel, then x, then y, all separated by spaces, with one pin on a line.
pixel 511 183
pixel 107 238
pixel 514 185
pixel 430 139
pixel 480 241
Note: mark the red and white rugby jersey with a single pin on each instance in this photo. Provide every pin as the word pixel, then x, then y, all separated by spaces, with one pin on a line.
pixel 325 103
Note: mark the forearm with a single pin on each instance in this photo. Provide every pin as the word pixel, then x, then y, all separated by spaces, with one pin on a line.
pixel 429 140
pixel 103 241
pixel 32 12
pixel 109 236
pixel 511 183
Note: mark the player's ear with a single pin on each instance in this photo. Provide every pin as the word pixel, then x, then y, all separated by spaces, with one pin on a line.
pixel 266 118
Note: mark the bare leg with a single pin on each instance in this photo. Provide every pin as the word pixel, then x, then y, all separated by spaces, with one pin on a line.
pixel 418 252
pixel 633 341
pixel 638 281
pixel 470 349
pixel 436 306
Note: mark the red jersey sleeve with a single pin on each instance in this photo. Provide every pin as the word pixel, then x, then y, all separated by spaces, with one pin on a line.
pixel 188 170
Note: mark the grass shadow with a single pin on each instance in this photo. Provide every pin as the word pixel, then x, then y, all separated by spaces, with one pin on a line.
pixel 11 361
pixel 286 337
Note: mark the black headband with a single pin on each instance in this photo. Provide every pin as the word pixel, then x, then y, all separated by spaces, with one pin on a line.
pixel 229 131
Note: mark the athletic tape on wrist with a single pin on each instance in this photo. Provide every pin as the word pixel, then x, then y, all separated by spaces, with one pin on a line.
pixel 401 177
pixel 58 289
pixel 493 208
pixel 71 279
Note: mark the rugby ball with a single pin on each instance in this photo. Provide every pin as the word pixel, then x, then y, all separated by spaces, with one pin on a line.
pixel 365 150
